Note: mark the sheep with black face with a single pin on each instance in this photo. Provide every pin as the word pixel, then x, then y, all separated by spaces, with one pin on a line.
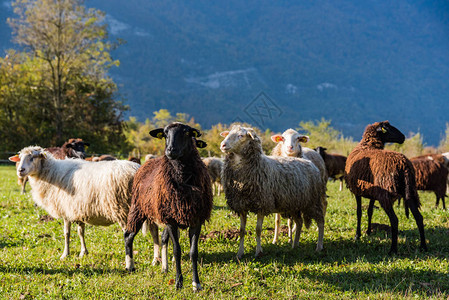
pixel 383 175
pixel 175 191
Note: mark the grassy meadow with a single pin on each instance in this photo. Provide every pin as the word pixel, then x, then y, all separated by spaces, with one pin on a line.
pixel 31 244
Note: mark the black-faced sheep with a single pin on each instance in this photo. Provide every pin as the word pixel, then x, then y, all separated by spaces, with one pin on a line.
pixel 214 166
pixel 289 145
pixel 73 148
pixel 173 190
pixel 382 175
pixel 335 165
pixel 78 191
pixel 254 182
pixel 431 175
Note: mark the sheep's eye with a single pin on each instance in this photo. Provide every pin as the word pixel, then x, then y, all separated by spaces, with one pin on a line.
pixel 240 136
pixel 31 159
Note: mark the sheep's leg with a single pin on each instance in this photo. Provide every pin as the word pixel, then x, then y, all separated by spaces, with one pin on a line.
pixel 194 234
pixel 83 242
pixel 370 216
pixel 258 234
pixel 358 232
pixel 154 230
pixel 437 203
pixel 419 222
pixel 319 245
pixel 66 239
pixel 341 184
pixel 164 239
pixel 444 204
pixel 277 227
pixel 298 224
pixel 394 228
pixel 243 217
pixel 135 222
pixel 172 230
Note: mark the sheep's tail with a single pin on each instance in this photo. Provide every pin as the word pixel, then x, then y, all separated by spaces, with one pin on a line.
pixel 410 190
pixel 145 228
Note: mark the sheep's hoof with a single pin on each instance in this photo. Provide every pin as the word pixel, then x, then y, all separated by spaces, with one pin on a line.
pixel 196 287
pixel 258 254
pixel 393 252
pixel 164 270
pixel 423 247
pixel 82 253
pixel 130 270
pixel 239 255
pixel 155 261
pixel 63 256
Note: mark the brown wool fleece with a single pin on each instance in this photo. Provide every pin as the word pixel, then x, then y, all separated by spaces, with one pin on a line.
pixel 431 174
pixel 379 174
pixel 167 191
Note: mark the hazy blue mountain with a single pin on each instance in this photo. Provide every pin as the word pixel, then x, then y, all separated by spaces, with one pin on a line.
pixel 354 62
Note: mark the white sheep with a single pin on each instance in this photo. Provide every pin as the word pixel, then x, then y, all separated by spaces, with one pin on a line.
pixel 78 191
pixel 254 182
pixel 289 145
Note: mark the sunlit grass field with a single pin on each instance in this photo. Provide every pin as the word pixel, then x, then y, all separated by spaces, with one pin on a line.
pixel 31 245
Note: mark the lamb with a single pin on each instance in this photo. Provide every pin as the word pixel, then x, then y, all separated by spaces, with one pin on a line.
pixel 335 164
pixel 78 191
pixel 172 190
pixel 214 166
pixel 73 148
pixel 288 145
pixel 431 175
pixel 254 182
pixel 383 175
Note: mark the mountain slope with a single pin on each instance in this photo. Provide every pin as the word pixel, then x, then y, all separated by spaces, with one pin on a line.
pixel 353 62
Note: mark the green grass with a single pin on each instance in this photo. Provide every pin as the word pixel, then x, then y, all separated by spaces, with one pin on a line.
pixel 347 269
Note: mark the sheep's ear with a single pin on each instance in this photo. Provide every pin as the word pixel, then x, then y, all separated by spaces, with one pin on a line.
pixel 195 133
pixel 303 138
pixel 43 155
pixel 15 158
pixel 277 138
pixel 224 133
pixel 70 145
pixel 157 133
pixel 252 134
pixel 200 144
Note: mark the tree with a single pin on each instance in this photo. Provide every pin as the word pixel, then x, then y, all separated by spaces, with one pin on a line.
pixel 68 44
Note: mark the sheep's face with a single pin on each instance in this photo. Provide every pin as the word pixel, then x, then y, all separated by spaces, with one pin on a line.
pixel 78 147
pixel 28 161
pixel 236 139
pixel 321 151
pixel 388 133
pixel 180 140
pixel 290 140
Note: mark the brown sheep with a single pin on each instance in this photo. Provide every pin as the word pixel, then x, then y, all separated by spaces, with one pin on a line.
pixel 431 175
pixel 173 190
pixel 103 157
pixel 335 165
pixel 73 148
pixel 383 175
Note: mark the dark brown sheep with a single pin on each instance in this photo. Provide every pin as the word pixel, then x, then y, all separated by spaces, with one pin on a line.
pixel 382 175
pixel 431 175
pixel 335 164
pixel 73 148
pixel 103 157
pixel 135 159
pixel 173 190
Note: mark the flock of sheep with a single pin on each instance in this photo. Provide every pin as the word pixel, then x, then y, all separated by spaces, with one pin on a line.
pixel 175 191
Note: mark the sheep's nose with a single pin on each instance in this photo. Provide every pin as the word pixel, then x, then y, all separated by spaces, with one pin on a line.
pixel 21 170
pixel 290 147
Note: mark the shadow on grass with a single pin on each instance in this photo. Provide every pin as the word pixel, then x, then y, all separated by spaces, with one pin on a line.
pixel 8 243
pixel 373 248
pixel 68 270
